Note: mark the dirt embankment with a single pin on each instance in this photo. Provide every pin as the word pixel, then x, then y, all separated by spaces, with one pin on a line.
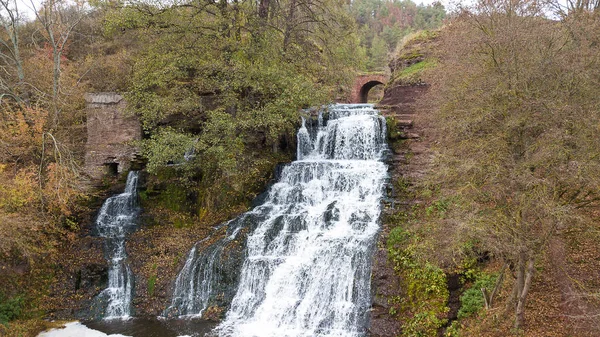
pixel 400 106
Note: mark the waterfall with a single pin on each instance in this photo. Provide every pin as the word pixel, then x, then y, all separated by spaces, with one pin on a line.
pixel 116 219
pixel 203 277
pixel 306 264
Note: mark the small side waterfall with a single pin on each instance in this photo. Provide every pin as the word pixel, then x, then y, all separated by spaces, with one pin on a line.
pixel 202 278
pixel 210 275
pixel 306 264
pixel 115 219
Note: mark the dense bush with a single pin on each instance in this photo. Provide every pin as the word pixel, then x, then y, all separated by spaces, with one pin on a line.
pixel 10 308
pixel 424 302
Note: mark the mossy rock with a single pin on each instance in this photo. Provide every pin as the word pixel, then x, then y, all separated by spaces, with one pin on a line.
pixel 412 75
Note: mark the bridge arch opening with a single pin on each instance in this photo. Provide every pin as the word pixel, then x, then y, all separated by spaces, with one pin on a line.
pixel 364 90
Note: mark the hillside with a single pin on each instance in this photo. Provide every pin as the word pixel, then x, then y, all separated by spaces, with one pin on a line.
pixel 465 106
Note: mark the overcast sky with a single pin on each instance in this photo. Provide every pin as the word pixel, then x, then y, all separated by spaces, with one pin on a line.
pixel 25 5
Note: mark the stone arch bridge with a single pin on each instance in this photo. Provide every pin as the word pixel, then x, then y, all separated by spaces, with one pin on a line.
pixel 363 83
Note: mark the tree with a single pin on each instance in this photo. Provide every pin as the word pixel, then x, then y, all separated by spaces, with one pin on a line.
pixel 390 22
pixel 10 54
pixel 229 79
pixel 516 118
pixel 430 17
pixel 58 19
pixel 578 6
pixel 378 54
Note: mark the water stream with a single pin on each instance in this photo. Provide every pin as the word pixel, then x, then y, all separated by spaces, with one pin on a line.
pixel 115 220
pixel 305 267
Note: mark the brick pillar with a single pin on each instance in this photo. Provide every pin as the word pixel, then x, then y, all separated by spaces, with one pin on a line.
pixel 110 133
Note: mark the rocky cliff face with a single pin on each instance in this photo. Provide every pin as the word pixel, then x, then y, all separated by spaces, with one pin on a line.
pixel 401 104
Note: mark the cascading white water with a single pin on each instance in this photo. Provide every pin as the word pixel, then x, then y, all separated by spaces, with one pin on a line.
pixel 115 219
pixel 307 271
pixel 305 268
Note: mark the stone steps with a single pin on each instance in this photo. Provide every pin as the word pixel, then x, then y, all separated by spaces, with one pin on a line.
pixel 403 120
pixel 405 123
pixel 402 117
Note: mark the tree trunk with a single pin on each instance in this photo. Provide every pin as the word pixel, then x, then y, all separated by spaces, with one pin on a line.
pixel 224 9
pixel 55 83
pixel 520 282
pixel 489 297
pixel 18 63
pixel 289 24
pixel 520 310
pixel 12 30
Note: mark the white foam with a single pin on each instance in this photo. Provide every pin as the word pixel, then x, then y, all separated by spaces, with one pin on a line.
pixel 76 329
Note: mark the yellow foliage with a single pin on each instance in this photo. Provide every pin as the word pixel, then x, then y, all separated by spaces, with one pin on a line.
pixel 61 189
pixel 21 133
pixel 22 136
pixel 19 191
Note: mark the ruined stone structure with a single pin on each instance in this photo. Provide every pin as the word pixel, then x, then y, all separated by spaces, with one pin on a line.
pixel 362 85
pixel 110 135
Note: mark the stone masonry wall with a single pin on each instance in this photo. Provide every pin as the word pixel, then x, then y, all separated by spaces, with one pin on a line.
pixel 110 131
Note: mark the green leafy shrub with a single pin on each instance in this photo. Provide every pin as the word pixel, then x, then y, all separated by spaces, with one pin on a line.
pixel 438 207
pixel 426 296
pixel 10 308
pixel 423 324
pixel 398 235
pixel 472 299
pixel 453 330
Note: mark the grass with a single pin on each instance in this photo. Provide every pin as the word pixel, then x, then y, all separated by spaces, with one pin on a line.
pixel 152 280
pixel 415 38
pixel 412 74
pixel 413 57
pixel 375 72
pixel 151 284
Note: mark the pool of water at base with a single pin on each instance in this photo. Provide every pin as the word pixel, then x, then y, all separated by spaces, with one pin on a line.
pixel 148 327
